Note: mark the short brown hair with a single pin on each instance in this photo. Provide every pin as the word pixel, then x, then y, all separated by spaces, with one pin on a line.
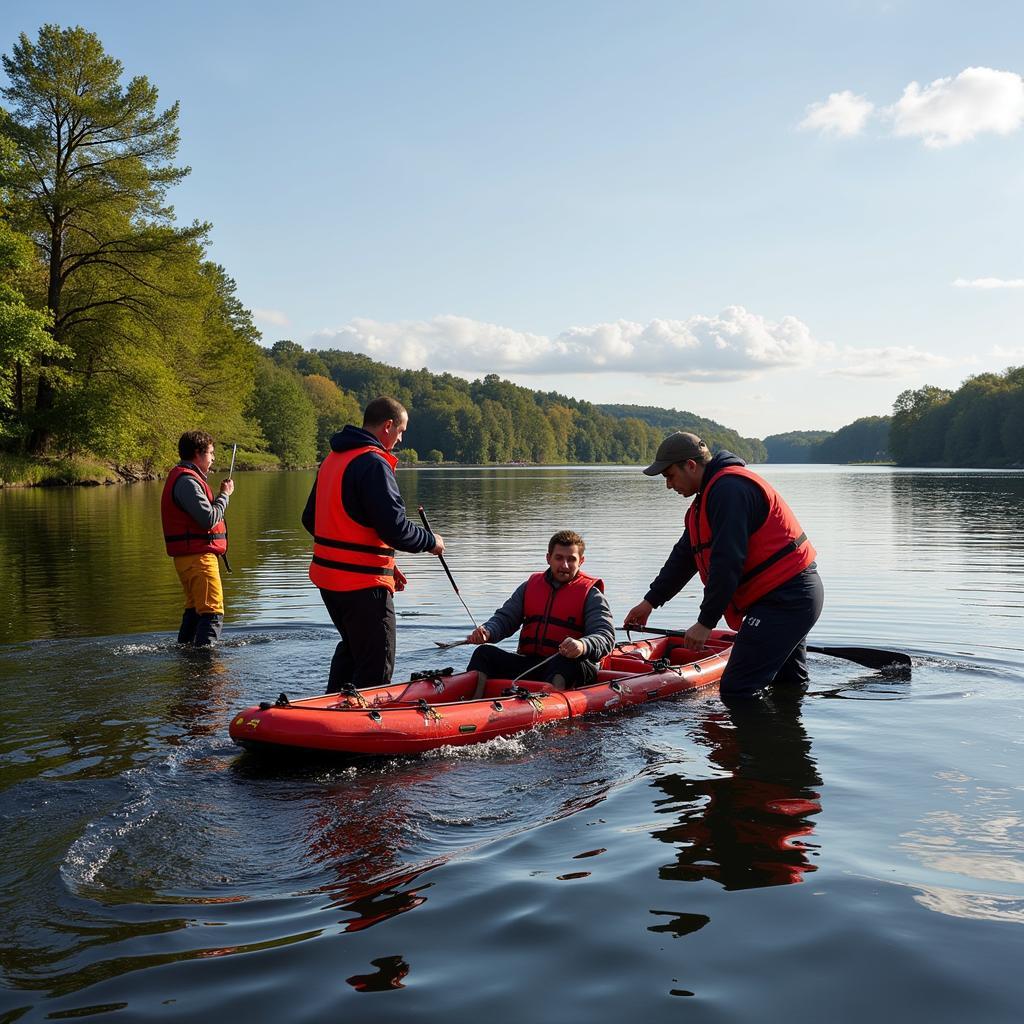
pixel 382 409
pixel 192 442
pixel 566 538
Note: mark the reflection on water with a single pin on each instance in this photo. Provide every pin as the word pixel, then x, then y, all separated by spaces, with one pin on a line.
pixel 146 867
pixel 750 826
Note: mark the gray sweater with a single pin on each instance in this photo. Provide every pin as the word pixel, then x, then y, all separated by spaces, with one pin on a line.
pixel 189 496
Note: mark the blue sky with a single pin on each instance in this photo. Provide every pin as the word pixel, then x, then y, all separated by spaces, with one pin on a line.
pixel 778 216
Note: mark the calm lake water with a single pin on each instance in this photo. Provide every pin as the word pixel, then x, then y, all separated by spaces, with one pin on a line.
pixel 857 853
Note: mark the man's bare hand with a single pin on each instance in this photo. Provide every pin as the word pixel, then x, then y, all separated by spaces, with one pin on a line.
pixel 696 637
pixel 638 615
pixel 570 648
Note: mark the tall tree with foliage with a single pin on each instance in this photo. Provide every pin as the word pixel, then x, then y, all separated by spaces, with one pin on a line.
pixel 285 414
pixel 24 334
pixel 89 187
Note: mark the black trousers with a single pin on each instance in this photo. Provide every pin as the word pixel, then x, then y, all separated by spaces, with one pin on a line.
pixel 498 664
pixel 771 645
pixel 365 655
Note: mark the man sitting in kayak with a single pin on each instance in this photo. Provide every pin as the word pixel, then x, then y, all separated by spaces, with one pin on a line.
pixel 567 626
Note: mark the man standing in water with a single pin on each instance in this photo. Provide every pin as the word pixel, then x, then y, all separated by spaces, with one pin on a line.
pixel 357 518
pixel 567 626
pixel 195 534
pixel 755 562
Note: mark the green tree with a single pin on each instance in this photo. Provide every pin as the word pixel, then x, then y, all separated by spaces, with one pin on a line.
pixel 918 429
pixel 24 334
pixel 864 440
pixel 89 188
pixel 334 408
pixel 285 415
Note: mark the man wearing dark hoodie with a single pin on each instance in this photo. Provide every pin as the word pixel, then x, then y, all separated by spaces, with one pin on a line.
pixel 357 518
pixel 754 559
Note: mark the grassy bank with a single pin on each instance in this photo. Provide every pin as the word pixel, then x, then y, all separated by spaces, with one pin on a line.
pixel 21 471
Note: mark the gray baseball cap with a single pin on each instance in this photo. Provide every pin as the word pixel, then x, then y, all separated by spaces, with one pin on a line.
pixel 677 447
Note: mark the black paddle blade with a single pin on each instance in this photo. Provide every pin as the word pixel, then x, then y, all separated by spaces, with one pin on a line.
pixel 869 657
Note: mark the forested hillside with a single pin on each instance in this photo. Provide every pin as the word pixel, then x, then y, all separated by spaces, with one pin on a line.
pixel 864 440
pixel 979 424
pixel 480 421
pixel 666 420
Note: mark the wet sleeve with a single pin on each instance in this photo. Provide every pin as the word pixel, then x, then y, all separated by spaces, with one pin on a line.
pixel 190 496
pixel 678 570
pixel 508 618
pixel 736 508
pixel 598 626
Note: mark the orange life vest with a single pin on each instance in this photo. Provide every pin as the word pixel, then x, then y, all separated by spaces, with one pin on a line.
pixel 346 554
pixel 550 614
pixel 778 550
pixel 182 534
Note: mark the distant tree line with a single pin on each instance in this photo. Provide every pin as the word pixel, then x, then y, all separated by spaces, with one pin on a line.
pixel 864 440
pixel 979 424
pixel 481 421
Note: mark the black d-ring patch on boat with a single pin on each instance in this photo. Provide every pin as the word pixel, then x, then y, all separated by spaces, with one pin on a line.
pixel 375 715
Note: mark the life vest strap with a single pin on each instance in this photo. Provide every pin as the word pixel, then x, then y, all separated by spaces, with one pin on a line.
pixel 171 538
pixel 564 623
pixel 772 559
pixel 369 570
pixel 363 549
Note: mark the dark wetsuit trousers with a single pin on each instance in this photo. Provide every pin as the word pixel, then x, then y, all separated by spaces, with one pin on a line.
pixel 498 664
pixel 365 655
pixel 771 645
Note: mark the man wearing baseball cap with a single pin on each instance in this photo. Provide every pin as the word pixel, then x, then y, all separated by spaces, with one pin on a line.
pixel 754 559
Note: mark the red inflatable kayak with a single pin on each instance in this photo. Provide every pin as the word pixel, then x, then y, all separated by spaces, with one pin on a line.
pixel 436 709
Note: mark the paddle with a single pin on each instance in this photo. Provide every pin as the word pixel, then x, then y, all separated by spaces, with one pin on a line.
pixel 869 657
pixel 426 523
pixel 231 469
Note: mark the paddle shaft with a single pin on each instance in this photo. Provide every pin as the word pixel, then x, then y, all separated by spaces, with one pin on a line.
pixel 444 564
pixel 869 657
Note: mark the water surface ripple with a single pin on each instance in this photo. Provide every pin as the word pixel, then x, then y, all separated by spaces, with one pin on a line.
pixel 858 851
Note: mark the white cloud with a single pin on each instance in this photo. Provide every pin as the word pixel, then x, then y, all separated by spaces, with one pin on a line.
pixel 989 282
pixel 1011 354
pixel 953 110
pixel 271 316
pixel 843 113
pixel 895 361
pixel 730 346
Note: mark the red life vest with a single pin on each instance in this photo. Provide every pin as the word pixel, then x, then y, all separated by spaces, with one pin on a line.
pixel 777 551
pixel 346 554
pixel 182 534
pixel 550 614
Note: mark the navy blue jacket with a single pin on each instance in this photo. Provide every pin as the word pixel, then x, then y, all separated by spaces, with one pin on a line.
pixel 736 508
pixel 370 496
